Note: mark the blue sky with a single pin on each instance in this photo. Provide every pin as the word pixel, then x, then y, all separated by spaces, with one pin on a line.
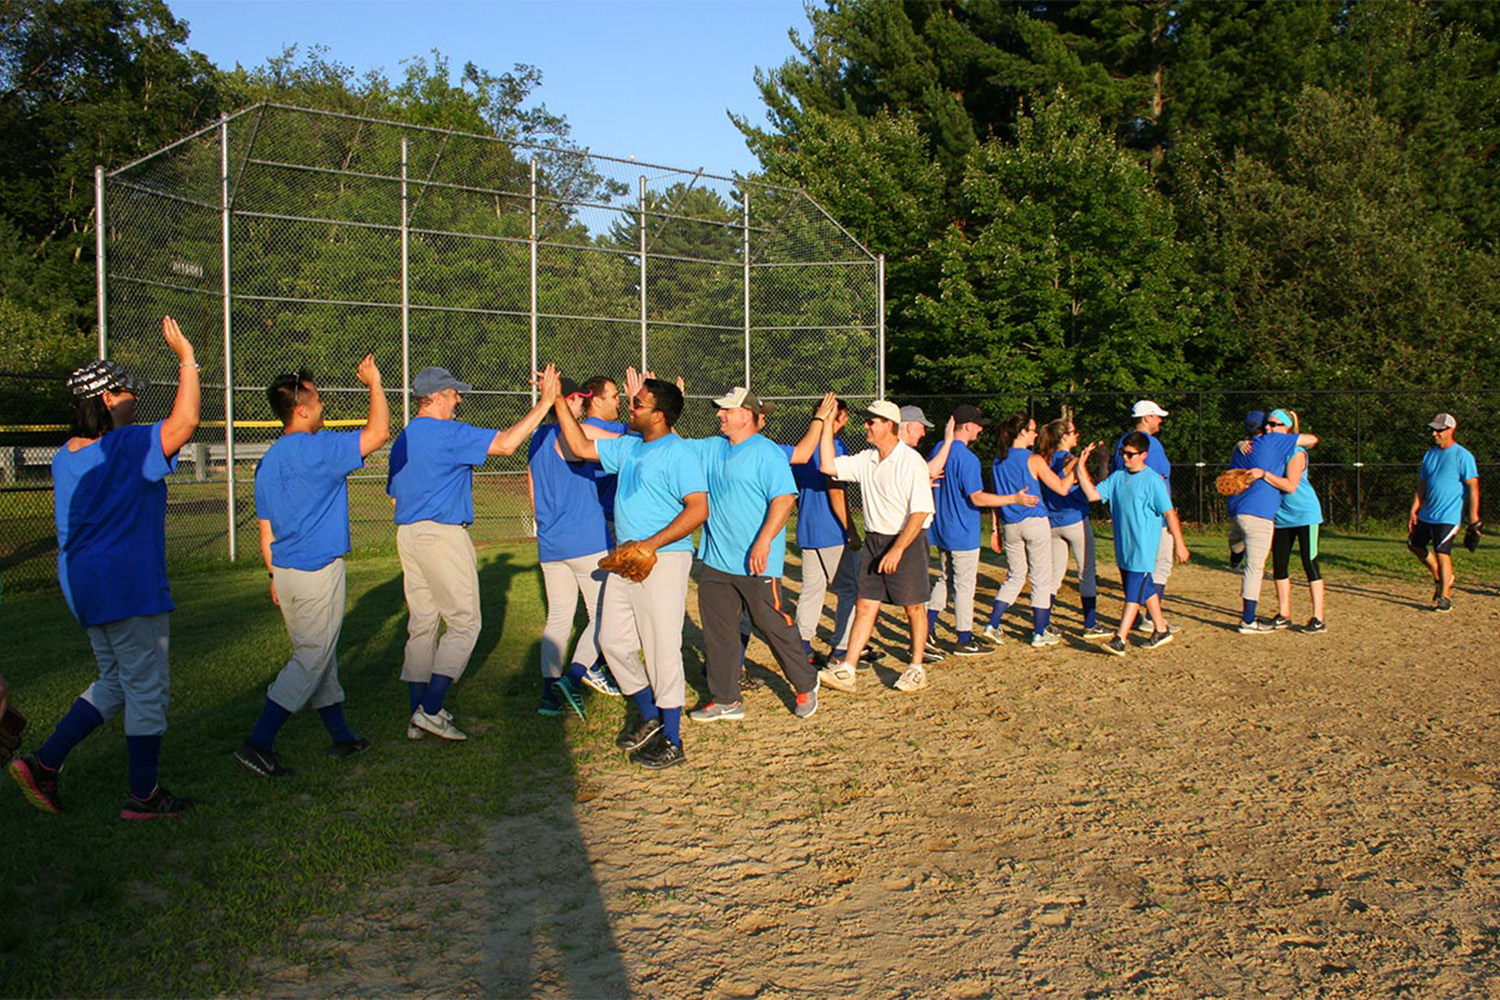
pixel 645 78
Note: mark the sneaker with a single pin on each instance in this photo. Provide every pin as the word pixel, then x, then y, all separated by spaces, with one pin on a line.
pixel 1443 605
pixel 1315 625
pixel 38 784
pixel 837 675
pixel 1279 622
pixel 161 805
pixel 932 652
pixel 1041 640
pixel 993 635
pixel 749 682
pixel 659 755
pixel 1256 627
pixel 914 679
pixel 1116 646
pixel 262 762
pixel 637 736
pixel 971 648
pixel 437 725
pixel 413 733
pixel 570 696
pixel 716 710
pixel 1097 632
pixel 807 704
pixel 1158 639
pixel 348 748
pixel 599 679
pixel 871 655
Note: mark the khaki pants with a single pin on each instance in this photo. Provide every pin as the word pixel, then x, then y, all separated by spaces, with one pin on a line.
pixel 440 574
pixel 312 606
pixel 648 615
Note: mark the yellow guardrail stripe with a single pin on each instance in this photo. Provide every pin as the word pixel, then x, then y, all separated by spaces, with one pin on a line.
pixel 35 428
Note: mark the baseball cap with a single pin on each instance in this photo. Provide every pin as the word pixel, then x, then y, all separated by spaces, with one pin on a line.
pixel 1255 418
pixel 433 380
pixel 101 376
pixel 965 413
pixel 737 397
pixel 1147 408
pixel 914 415
pixel 567 387
pixel 1443 421
pixel 885 410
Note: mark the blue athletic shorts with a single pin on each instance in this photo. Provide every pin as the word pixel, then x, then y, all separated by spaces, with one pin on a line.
pixel 1138 586
pixel 1439 536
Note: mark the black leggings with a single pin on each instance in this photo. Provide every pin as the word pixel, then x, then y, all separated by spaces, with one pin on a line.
pixel 1281 551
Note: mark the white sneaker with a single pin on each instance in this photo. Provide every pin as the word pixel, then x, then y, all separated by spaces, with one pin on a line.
pixel 437 725
pixel 838 675
pixel 993 634
pixel 413 733
pixel 914 679
pixel 1044 639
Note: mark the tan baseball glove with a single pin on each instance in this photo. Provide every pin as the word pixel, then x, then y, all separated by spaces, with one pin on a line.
pixel 632 560
pixel 1232 482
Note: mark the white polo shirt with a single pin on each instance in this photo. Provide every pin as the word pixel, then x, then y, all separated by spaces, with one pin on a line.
pixel 892 488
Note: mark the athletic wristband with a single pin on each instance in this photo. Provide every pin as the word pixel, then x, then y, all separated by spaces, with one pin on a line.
pixel 271 575
pixel 190 364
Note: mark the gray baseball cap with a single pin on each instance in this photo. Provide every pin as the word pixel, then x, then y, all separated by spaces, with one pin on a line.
pixel 434 380
pixel 914 414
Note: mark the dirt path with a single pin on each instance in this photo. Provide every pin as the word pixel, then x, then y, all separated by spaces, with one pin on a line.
pixel 1227 816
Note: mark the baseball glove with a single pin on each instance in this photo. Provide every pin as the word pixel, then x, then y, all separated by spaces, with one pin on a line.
pixel 1232 482
pixel 632 560
pixel 12 725
pixel 1471 537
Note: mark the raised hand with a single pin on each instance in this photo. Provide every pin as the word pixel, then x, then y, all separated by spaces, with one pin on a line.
pixel 367 373
pixel 176 341
pixel 828 408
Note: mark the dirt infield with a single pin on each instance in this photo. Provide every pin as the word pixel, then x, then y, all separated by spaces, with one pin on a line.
pixel 1227 816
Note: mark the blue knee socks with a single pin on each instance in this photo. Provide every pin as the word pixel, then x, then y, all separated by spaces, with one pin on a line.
pixel 964 638
pixel 1090 612
pixel 575 673
pixel 333 721
pixel 1040 619
pixel 272 717
pixel 143 751
pixel 414 694
pixel 997 612
pixel 1249 615
pixel 671 725
pixel 932 617
pixel 82 718
pixel 645 700
pixel 437 690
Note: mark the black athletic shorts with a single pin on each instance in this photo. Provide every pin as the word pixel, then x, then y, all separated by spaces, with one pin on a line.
pixel 908 584
pixel 1439 536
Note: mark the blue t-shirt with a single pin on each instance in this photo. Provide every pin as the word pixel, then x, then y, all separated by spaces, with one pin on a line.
pixel 606 484
pixel 654 479
pixel 1012 473
pixel 301 487
pixel 569 512
pixel 110 504
pixel 1137 503
pixel 743 479
pixel 432 470
pixel 817 527
pixel 1444 473
pixel 1301 506
pixel 1270 452
pixel 1156 458
pixel 1237 460
pixel 1064 508
pixel 955 525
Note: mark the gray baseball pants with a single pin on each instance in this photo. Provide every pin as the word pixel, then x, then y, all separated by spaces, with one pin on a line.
pixel 648 615
pixel 312 606
pixel 836 565
pixel 722 597
pixel 564 581
pixel 132 658
pixel 958 571
pixel 1258 533
pixel 1077 538
pixel 1028 551
pixel 1164 553
pixel 440 574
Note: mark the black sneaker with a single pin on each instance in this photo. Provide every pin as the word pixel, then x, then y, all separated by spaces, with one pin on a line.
pixel 1116 646
pixel 161 805
pixel 659 754
pixel 1236 559
pixel 972 648
pixel 1280 622
pixel 871 655
pixel 1158 639
pixel 749 682
pixel 1443 605
pixel 348 748
pixel 633 737
pixel 262 762
pixel 1315 625
pixel 38 784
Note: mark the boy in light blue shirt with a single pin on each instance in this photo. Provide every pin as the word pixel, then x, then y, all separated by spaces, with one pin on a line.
pixel 1437 507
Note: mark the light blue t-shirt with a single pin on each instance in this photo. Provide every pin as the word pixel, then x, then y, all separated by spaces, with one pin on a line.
pixel 569 510
pixel 1301 506
pixel 743 479
pixel 955 525
pixel 432 470
pixel 1137 503
pixel 1270 452
pixel 1011 474
pixel 1444 473
pixel 817 527
pixel 110 506
pixel 1067 508
pixel 301 487
pixel 654 479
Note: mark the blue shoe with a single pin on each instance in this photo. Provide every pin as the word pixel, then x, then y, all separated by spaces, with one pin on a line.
pixel 570 696
pixel 597 678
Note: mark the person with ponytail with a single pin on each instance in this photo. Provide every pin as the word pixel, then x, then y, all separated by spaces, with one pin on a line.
pixel 1068 514
pixel 1296 522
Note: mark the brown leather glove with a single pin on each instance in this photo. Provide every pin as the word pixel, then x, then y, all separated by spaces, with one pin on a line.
pixel 632 560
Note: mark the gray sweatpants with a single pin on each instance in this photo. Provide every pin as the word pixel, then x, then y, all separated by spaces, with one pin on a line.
pixel 564 581
pixel 1258 533
pixel 959 572
pixel 1028 551
pixel 722 599
pixel 132 658
pixel 440 574
pixel 312 606
pixel 835 565
pixel 648 615
pixel 1077 538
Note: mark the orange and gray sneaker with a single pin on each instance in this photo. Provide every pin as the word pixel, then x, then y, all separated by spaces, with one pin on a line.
pixel 38 783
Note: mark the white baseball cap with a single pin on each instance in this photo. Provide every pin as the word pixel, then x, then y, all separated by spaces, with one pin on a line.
pixel 1147 408
pixel 884 409
pixel 1443 421
pixel 740 396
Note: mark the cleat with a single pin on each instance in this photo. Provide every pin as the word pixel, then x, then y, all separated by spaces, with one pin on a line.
pixel 634 737
pixel 38 784
pixel 659 755
pixel 262 762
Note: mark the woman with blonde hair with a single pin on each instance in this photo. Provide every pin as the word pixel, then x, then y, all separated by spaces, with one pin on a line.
pixel 1296 521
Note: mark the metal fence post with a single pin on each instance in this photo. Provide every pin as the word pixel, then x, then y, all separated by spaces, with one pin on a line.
pixel 101 290
pixel 1359 460
pixel 745 260
pixel 645 364
pixel 405 290
pixel 228 337
pixel 534 358
pixel 880 326
pixel 1199 462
